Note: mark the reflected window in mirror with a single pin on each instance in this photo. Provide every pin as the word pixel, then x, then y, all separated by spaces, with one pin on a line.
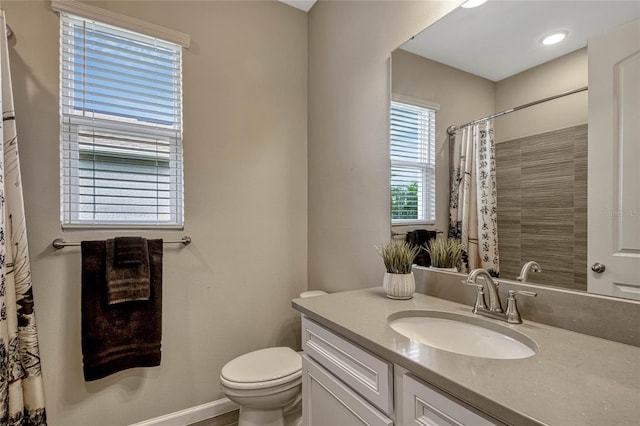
pixel 413 180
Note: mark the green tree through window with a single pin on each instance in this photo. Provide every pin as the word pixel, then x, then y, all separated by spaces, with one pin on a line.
pixel 404 201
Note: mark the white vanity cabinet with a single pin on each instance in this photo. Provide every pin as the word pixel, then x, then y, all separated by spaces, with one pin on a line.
pixel 344 384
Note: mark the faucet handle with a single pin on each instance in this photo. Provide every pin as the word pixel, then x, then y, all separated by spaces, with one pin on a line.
pixel 512 293
pixel 479 303
pixel 513 315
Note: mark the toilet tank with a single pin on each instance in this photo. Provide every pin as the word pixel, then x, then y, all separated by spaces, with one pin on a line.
pixel 312 293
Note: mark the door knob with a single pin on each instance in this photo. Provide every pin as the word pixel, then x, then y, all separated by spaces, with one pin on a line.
pixel 598 267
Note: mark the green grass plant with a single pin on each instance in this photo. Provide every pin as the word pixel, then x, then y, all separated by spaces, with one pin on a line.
pixel 444 252
pixel 398 256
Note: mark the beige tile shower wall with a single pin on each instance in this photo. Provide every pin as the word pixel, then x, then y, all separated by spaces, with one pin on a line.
pixel 542 210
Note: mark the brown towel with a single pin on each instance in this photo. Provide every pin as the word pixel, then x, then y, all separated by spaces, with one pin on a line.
pixel 129 251
pixel 121 336
pixel 127 270
pixel 418 238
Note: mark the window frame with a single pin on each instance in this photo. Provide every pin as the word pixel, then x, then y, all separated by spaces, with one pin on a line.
pixel 168 141
pixel 427 202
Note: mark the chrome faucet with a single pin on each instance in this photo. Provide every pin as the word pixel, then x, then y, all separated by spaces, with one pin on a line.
pixel 530 266
pixel 495 306
pixel 491 288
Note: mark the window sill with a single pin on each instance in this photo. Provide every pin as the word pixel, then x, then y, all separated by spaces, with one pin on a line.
pixel 111 227
pixel 412 223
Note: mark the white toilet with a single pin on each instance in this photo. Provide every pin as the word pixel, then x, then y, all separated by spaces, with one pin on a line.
pixel 266 384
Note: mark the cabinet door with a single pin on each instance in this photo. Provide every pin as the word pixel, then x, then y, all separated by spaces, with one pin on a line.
pixel 365 373
pixel 328 402
pixel 428 406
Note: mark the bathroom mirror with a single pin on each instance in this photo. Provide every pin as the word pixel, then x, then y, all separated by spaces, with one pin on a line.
pixel 476 62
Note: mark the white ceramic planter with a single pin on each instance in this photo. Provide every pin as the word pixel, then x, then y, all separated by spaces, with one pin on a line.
pixel 399 286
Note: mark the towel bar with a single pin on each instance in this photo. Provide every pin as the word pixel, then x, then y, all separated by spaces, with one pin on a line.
pixel 59 243
pixel 402 234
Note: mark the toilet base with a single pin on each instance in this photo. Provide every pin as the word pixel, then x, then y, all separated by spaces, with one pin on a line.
pixel 253 417
pixel 294 418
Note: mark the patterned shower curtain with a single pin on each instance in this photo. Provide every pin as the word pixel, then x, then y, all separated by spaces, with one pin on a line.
pixel 21 387
pixel 473 198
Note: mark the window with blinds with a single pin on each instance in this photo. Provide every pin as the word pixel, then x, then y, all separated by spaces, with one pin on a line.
pixel 413 181
pixel 121 127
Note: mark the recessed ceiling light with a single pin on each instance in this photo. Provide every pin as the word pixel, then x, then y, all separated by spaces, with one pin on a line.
pixel 554 38
pixel 473 3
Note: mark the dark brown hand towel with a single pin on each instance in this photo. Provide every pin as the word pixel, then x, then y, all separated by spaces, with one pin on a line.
pixel 127 270
pixel 121 336
pixel 418 238
pixel 129 251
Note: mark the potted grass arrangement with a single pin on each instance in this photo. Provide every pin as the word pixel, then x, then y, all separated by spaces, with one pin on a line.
pixel 398 257
pixel 445 253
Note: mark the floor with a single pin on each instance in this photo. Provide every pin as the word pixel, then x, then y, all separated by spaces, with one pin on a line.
pixel 228 419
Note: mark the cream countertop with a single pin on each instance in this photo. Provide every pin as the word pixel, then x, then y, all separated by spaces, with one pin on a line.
pixel 574 379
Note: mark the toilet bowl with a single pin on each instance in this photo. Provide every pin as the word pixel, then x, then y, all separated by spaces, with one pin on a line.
pixel 266 384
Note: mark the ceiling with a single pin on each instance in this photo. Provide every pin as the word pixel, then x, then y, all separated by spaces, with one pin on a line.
pixel 300 4
pixel 502 38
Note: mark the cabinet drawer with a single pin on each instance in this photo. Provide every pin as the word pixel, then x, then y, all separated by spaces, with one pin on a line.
pixel 370 376
pixel 426 405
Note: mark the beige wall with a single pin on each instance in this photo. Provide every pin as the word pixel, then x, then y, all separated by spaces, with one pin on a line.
pixel 349 178
pixel 560 75
pixel 245 114
pixel 551 78
pixel 462 97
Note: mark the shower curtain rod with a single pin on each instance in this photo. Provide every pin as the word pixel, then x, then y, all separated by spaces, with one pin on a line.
pixel 451 130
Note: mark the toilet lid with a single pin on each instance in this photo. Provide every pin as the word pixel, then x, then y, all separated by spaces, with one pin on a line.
pixel 262 365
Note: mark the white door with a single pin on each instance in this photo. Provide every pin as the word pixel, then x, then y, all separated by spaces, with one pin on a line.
pixel 614 163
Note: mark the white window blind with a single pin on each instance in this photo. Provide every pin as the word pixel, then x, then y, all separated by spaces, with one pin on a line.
pixel 121 127
pixel 413 181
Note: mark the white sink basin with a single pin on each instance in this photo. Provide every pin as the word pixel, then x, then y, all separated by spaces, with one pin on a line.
pixel 463 334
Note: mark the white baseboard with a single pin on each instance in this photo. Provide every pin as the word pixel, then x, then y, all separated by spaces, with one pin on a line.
pixel 193 414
